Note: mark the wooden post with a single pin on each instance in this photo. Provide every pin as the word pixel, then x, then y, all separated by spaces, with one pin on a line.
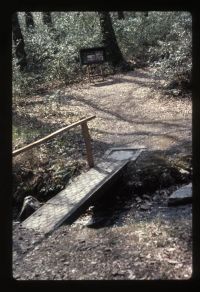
pixel 88 71
pixel 88 145
pixel 102 74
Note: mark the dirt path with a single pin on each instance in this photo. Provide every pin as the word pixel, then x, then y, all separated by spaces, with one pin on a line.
pixel 134 244
pixel 131 109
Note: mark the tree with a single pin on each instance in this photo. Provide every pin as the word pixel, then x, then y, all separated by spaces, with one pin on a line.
pixel 114 54
pixel 19 42
pixel 46 16
pixel 120 15
pixel 29 20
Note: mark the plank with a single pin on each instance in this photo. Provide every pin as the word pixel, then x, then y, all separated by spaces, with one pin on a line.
pixel 68 204
pixel 78 193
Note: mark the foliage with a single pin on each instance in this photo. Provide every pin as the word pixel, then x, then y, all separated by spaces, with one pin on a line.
pixel 162 40
pixel 175 51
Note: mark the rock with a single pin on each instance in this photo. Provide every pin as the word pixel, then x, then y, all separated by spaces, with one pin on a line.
pixel 108 249
pixel 156 197
pixel 172 261
pixel 181 196
pixel 30 205
pixel 118 273
pixel 145 207
pixel 183 171
pixel 146 197
pixel 138 199
pixel 131 275
pixel 164 194
pixel 96 222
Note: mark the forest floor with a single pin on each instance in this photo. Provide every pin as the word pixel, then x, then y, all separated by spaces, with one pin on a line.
pixel 131 241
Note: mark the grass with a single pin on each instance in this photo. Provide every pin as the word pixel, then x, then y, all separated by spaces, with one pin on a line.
pixel 23 135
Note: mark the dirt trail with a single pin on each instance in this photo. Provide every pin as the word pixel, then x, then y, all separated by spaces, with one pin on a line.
pixel 130 110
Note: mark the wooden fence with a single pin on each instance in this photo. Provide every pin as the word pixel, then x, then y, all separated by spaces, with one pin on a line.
pixel 86 136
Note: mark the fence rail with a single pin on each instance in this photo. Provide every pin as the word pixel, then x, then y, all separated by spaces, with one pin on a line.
pixel 85 132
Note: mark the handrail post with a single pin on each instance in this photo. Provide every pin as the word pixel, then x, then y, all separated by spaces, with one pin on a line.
pixel 88 145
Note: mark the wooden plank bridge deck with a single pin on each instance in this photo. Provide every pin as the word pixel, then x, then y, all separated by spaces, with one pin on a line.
pixel 68 204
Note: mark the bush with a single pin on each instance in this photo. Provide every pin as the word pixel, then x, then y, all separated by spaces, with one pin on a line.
pixel 162 40
pixel 176 51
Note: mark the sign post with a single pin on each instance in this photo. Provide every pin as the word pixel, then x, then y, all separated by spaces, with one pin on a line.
pixel 93 56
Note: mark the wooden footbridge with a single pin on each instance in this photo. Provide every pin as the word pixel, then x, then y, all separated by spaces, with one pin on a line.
pixel 68 204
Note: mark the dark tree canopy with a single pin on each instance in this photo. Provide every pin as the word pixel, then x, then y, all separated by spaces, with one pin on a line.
pixel 114 54
pixel 19 42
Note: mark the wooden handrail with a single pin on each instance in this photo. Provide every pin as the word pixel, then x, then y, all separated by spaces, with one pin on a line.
pixel 52 135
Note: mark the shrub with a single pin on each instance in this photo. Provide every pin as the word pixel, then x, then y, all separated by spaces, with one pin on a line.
pixel 162 40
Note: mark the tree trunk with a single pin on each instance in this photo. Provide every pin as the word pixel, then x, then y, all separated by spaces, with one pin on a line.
pixel 29 20
pixel 120 15
pixel 114 54
pixel 46 16
pixel 19 42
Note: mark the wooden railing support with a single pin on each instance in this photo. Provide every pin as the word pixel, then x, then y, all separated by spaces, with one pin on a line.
pixel 87 139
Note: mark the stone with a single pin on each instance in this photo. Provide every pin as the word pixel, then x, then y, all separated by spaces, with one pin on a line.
pixel 181 196
pixel 146 197
pixel 183 171
pixel 138 199
pixel 108 249
pixel 30 205
pixel 131 275
pixel 156 197
pixel 96 222
pixel 145 207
